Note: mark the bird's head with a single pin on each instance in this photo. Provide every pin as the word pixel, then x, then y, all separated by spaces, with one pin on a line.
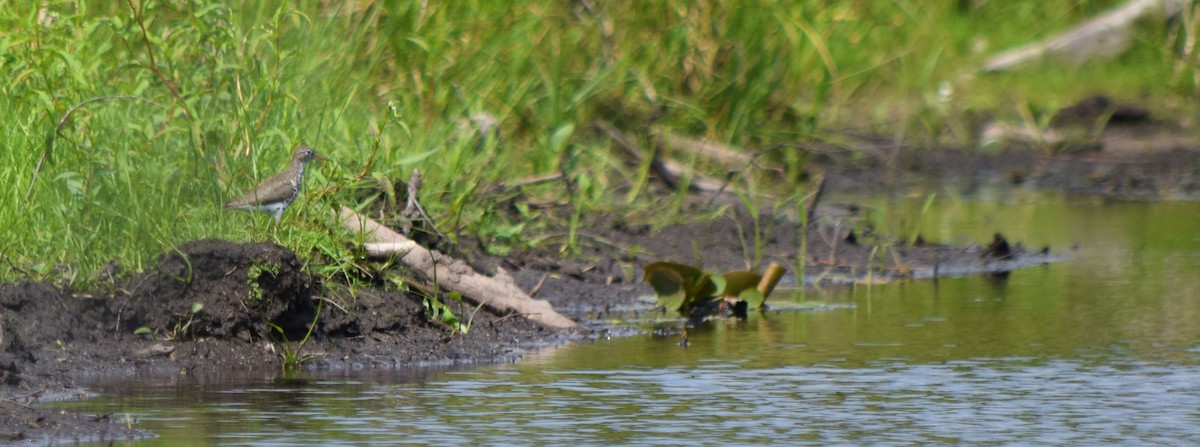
pixel 305 154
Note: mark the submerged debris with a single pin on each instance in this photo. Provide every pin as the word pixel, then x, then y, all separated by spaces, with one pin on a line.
pixel 999 248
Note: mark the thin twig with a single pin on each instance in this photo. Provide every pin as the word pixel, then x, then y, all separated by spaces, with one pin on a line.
pixel 413 211
pixel 529 181
pixel 635 153
pixel 582 234
pixel 153 65
pixel 810 212
pixel 50 136
pixel 16 403
pixel 508 316
pixel 538 287
pixel 334 304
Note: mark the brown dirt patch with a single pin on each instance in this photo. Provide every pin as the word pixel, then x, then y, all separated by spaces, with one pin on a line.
pixel 245 290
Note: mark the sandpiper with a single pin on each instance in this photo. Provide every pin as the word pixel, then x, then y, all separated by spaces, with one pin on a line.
pixel 275 194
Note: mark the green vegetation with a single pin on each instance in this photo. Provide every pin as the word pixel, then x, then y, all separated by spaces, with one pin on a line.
pixel 697 294
pixel 128 124
pixel 255 289
pixel 437 310
pixel 179 330
pixel 290 353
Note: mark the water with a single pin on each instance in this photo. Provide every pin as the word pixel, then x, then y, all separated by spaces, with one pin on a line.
pixel 1104 348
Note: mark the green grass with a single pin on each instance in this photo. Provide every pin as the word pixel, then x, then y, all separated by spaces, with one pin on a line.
pixel 379 87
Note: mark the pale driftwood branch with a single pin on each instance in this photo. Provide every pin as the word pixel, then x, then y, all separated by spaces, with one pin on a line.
pixel 499 292
pixel 699 182
pixel 727 155
pixel 1106 36
pixel 384 250
pixel 413 211
pixel 530 181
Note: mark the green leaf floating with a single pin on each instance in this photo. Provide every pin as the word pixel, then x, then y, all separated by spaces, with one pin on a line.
pixel 683 288
pixel 668 283
pixel 680 287
pixel 753 298
pixel 738 281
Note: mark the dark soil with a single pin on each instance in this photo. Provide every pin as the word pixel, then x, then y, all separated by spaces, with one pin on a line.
pixel 51 338
pixel 213 305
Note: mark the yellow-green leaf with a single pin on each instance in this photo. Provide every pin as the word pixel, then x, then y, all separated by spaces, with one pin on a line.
pixel 738 281
pixel 753 298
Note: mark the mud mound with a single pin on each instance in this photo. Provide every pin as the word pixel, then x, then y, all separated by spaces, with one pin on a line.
pixel 38 316
pixel 221 289
pixel 368 311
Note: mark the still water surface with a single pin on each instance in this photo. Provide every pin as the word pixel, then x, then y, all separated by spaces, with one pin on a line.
pixel 1102 348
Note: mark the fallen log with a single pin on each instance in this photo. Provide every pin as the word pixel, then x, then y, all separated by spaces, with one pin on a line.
pixel 499 292
pixel 383 250
pixel 726 155
pixel 1103 37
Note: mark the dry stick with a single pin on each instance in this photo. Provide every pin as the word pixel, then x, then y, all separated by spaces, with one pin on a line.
pixel 671 172
pixel 380 250
pixel 618 137
pixel 810 208
pixel 499 292
pixel 528 181
pixel 50 136
pixel 585 235
pixel 720 152
pixel 833 244
pixel 728 181
pixel 11 401
pixel 724 153
pixel 413 209
pixel 699 182
pixel 335 304
pixel 633 151
pixel 1104 36
pixel 13 265
pixel 538 288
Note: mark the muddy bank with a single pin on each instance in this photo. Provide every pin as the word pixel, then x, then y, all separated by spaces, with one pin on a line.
pixel 217 306
pixel 1126 162
pixel 212 306
pixel 597 282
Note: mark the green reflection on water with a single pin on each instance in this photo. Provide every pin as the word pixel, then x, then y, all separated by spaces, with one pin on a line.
pixel 1131 276
pixel 1129 285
